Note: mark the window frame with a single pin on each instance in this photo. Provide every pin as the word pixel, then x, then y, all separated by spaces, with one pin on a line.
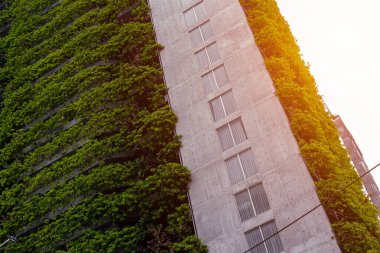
pixel 242 169
pixel 253 205
pixel 234 141
pixel 275 236
pixel 223 104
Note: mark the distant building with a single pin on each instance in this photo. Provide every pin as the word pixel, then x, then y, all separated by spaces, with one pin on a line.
pixel 358 161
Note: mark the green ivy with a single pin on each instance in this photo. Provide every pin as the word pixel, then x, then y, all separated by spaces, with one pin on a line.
pixel 88 151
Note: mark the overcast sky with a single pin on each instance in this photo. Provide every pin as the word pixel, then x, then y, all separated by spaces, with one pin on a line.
pixel 340 39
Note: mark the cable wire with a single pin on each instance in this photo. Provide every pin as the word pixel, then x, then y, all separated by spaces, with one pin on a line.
pixel 311 210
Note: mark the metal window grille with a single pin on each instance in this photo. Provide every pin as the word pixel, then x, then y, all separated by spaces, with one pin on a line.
pixel 259 234
pixel 207 55
pixel 186 2
pixel 241 166
pixel 195 14
pixel 252 202
pixel 215 79
pixel 201 34
pixel 231 134
pixel 223 105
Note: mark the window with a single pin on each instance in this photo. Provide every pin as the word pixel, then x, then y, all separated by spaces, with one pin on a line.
pixel 186 2
pixel 259 234
pixel 231 134
pixel 223 105
pixel 215 79
pixel 207 55
pixel 195 14
pixel 201 34
pixel 241 166
pixel 252 202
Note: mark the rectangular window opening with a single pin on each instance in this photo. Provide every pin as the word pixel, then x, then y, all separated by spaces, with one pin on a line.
pixel 195 13
pixel 252 202
pixel 223 105
pixel 262 232
pixel 201 34
pixel 241 166
pixel 208 55
pixel 231 134
pixel 215 79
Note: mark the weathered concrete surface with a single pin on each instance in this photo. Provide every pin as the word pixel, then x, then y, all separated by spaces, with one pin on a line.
pixel 288 185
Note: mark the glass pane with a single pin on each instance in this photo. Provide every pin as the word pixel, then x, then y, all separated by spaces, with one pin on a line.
pixel 254 237
pixel 213 52
pixel 248 162
pixel 206 31
pixel 274 244
pixel 259 198
pixel 244 205
pixel 196 37
pixel 190 17
pixel 200 11
pixel 225 137
pixel 209 82
pixel 217 109
pixel 234 170
pixel 221 76
pixel 229 102
pixel 238 131
pixel 202 59
pixel 186 2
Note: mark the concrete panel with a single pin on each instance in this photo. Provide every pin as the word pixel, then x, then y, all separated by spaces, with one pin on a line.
pixel 287 183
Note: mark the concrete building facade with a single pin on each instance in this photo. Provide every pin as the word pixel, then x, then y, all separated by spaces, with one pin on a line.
pixel 358 161
pixel 248 177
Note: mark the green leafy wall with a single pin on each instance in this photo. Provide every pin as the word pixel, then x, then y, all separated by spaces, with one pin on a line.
pixel 88 152
pixel 353 216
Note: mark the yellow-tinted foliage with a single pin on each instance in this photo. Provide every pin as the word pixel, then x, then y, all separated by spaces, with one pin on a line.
pixel 352 215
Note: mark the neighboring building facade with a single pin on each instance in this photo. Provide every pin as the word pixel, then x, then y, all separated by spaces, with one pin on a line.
pixel 248 177
pixel 358 161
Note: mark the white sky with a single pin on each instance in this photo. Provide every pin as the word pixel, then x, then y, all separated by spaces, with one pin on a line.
pixel 341 41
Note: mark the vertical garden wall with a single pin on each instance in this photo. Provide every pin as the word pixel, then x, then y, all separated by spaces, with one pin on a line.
pixel 354 218
pixel 88 152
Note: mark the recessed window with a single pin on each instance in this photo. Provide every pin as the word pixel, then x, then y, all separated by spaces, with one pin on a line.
pixel 252 202
pixel 186 2
pixel 259 234
pixel 195 14
pixel 241 166
pixel 215 79
pixel 223 105
pixel 207 55
pixel 231 134
pixel 201 34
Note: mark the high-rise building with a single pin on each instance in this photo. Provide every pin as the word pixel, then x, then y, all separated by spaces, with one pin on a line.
pixel 248 177
pixel 358 161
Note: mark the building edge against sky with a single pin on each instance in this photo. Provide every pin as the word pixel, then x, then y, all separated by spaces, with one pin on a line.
pixel 248 177
pixel 357 159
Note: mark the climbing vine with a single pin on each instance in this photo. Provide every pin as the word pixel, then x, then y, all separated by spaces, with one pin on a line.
pixel 88 152
pixel 353 217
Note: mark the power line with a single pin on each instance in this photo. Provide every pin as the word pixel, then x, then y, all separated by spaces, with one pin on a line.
pixel 311 210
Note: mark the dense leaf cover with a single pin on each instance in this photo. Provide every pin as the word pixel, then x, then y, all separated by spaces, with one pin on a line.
pixel 353 216
pixel 88 152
